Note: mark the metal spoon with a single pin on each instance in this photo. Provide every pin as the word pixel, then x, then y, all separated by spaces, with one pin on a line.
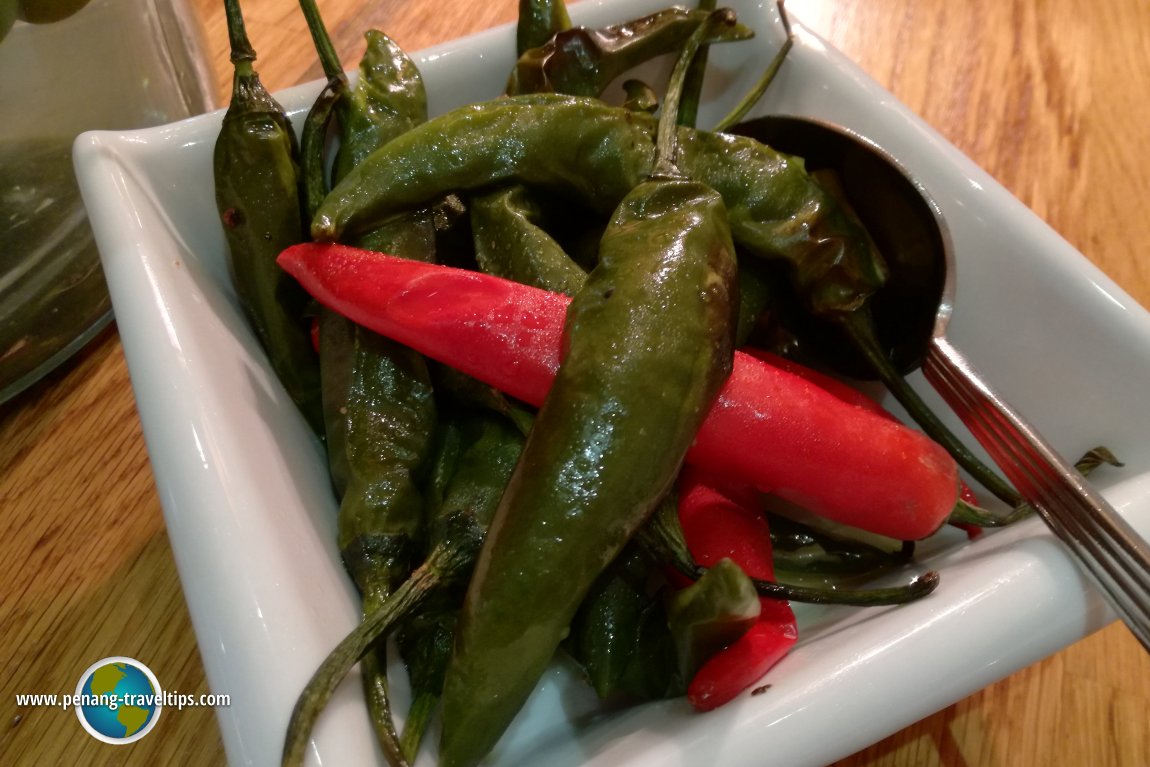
pixel 911 316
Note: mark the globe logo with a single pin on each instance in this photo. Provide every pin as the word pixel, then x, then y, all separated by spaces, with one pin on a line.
pixel 118 700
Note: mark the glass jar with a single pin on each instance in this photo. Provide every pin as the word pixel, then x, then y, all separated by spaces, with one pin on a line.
pixel 112 65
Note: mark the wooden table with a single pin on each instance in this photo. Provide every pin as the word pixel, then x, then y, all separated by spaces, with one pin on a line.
pixel 1047 96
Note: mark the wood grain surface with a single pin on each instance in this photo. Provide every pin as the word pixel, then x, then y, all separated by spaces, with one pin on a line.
pixel 1046 95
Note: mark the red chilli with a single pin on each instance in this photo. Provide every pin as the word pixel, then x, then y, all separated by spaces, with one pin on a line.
pixel 723 521
pixel 769 428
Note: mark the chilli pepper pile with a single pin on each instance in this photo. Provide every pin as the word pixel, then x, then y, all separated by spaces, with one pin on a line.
pixel 549 343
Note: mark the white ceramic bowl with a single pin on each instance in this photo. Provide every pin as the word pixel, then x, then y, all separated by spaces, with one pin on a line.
pixel 250 515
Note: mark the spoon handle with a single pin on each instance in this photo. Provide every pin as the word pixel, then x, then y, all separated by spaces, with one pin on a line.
pixel 1106 545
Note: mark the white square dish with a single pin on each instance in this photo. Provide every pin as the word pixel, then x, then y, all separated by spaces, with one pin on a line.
pixel 251 517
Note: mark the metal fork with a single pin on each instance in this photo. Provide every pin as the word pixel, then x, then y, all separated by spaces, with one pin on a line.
pixel 1107 546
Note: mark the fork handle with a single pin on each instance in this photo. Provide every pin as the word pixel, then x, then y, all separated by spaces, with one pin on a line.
pixel 1108 548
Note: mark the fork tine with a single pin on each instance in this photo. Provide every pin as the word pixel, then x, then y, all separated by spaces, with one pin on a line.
pixel 1044 477
pixel 1112 552
pixel 1064 509
pixel 1123 579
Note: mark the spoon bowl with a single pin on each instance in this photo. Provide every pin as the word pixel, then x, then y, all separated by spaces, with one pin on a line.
pixel 906 226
